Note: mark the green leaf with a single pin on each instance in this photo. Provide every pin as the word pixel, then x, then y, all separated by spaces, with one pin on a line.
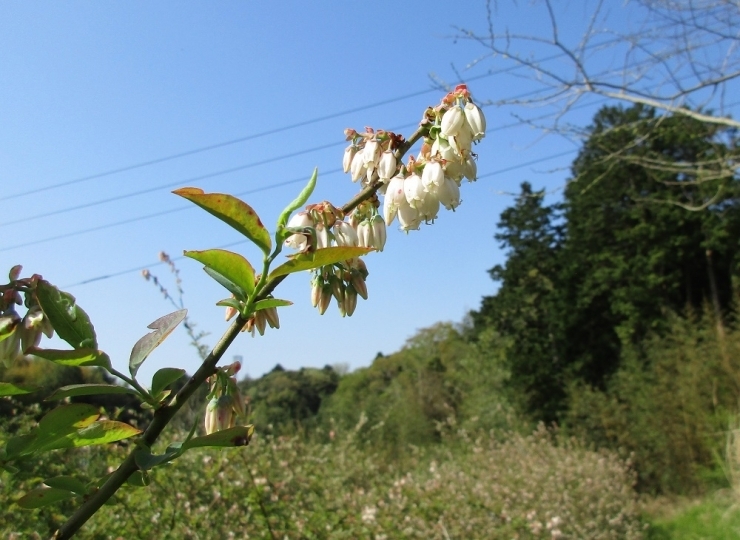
pixel 165 377
pixel 162 328
pixel 68 319
pixel 230 265
pixel 103 432
pixel 298 201
pixel 271 302
pixel 230 302
pixel 11 389
pixel 231 211
pixel 68 483
pixel 89 390
pixel 145 460
pixel 320 257
pixel 84 356
pixel 139 479
pixel 16 445
pixel 42 497
pixel 68 417
pixel 236 436
pixel 55 425
pixel 232 287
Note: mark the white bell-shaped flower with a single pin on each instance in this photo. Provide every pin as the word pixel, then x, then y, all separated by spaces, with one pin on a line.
pixel 476 120
pixel 429 208
pixel 386 166
pixel 409 218
pixel 358 168
pixel 449 194
pixel 365 234
pixel 349 154
pixel 470 169
pixel 345 234
pixel 452 120
pixel 413 188
pixel 299 241
pixel 433 176
pixel 379 232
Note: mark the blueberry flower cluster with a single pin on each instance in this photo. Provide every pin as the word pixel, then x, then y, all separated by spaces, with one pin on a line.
pixel 415 191
pixel 323 225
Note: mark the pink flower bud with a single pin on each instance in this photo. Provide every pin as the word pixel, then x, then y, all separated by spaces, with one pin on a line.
pixel 316 286
pixel 350 301
pixel 273 319
pixel 325 299
pixel 260 321
pixel 359 285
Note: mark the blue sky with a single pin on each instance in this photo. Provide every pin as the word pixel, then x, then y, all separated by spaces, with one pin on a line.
pixel 93 87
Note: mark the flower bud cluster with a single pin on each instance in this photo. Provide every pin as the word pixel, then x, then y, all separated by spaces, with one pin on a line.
pixel 225 402
pixel 322 225
pixel 371 155
pixel 259 320
pixel 20 333
pixel 342 281
pixel 415 191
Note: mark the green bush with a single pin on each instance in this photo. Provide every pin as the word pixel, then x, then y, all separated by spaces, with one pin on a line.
pixel 289 487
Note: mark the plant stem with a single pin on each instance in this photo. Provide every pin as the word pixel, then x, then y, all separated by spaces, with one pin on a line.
pixel 163 415
pixel 160 420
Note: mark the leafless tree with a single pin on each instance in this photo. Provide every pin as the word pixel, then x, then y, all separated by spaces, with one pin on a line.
pixel 679 57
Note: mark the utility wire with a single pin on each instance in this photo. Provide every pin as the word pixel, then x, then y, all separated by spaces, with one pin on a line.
pixel 181 257
pixel 273 131
pixel 225 171
pixel 234 141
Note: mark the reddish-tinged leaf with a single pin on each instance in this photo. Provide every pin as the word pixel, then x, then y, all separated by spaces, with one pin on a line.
pixel 231 211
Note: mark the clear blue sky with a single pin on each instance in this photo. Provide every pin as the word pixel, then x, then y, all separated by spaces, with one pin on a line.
pixel 90 87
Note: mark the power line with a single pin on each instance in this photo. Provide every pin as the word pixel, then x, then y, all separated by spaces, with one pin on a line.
pixel 156 214
pixel 245 138
pixel 166 186
pixel 217 173
pixel 241 167
pixel 273 131
pixel 181 257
